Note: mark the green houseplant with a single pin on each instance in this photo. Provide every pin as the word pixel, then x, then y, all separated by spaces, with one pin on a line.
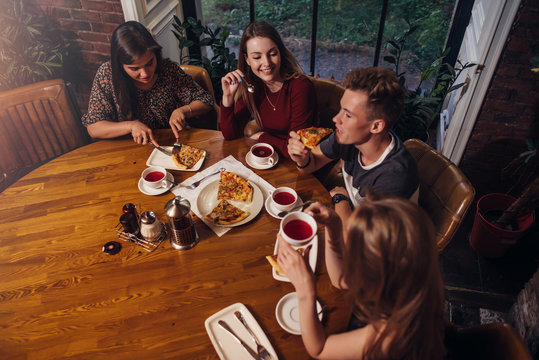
pixel 31 48
pixel 222 60
pixel 422 105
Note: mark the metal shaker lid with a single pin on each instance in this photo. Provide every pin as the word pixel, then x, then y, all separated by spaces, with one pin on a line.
pixel 147 217
pixel 177 207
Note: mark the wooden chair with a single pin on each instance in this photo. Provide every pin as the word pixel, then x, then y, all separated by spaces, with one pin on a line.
pixel 37 123
pixel 202 78
pixel 444 191
pixel 496 341
pixel 328 96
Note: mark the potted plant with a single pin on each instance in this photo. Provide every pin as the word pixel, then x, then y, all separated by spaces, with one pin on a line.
pixel 222 60
pixel 422 105
pixel 31 48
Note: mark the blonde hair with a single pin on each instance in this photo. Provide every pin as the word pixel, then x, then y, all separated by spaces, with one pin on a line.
pixel 392 271
pixel 290 67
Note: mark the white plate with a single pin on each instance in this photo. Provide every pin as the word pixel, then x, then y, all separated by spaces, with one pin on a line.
pixel 287 313
pixel 153 191
pixel 207 200
pixel 313 255
pixel 159 159
pixel 251 163
pixel 273 212
pixel 228 348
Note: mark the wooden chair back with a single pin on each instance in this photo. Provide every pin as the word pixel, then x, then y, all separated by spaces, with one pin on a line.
pixel 38 122
pixel 495 341
pixel 202 78
pixel 328 96
pixel 444 191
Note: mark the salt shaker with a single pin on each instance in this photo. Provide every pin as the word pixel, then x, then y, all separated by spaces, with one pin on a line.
pixel 183 235
pixel 150 227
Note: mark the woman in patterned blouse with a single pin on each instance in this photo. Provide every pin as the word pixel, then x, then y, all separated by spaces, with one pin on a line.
pixel 138 90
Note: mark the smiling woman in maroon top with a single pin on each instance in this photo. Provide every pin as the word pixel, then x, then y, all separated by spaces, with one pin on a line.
pixel 283 100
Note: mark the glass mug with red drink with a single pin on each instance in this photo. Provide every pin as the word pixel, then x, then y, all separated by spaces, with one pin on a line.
pixel 298 228
pixel 284 198
pixel 154 177
pixel 262 154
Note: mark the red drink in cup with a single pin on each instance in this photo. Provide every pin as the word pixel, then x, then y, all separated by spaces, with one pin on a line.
pixel 298 228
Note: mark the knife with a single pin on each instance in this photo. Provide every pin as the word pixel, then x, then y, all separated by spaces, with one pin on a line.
pixel 251 352
pixel 166 152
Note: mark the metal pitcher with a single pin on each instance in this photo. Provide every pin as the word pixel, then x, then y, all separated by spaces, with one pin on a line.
pixel 183 235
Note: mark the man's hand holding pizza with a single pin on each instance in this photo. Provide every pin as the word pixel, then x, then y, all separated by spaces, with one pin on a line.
pixel 299 153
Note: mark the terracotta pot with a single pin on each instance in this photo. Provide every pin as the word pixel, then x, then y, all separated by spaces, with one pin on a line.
pixel 490 240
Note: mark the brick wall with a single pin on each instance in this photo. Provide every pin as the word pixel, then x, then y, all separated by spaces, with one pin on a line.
pixel 88 26
pixel 510 111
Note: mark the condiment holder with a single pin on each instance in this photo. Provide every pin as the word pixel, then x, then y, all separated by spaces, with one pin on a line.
pixel 147 232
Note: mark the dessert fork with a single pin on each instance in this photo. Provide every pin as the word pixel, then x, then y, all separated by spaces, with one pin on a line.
pixel 261 350
pixel 177 146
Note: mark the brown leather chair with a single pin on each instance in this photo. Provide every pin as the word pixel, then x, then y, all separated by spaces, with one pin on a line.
pixel 328 96
pixel 37 123
pixel 444 191
pixel 202 78
pixel 496 341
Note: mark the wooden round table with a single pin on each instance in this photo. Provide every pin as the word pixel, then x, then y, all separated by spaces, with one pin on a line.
pixel 61 296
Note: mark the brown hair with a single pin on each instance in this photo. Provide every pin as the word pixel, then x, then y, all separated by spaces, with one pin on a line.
pixel 130 41
pixel 392 271
pixel 290 67
pixel 382 86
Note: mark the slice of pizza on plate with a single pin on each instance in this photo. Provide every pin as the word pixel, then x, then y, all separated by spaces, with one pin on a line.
pixel 311 136
pixel 187 157
pixel 234 187
pixel 225 214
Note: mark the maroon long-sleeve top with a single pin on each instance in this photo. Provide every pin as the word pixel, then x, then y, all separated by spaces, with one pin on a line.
pixel 295 108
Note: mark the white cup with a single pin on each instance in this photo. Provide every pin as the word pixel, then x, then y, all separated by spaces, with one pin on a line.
pixel 262 154
pixel 154 177
pixel 284 198
pixel 298 228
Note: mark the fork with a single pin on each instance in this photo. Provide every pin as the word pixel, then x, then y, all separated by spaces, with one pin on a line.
pixel 261 350
pixel 196 183
pixel 177 146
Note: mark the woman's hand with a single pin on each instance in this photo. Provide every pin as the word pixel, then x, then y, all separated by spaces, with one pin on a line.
pixel 296 268
pixel 323 215
pixel 230 84
pixel 178 119
pixel 141 133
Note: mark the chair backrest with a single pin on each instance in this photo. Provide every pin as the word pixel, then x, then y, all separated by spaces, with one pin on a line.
pixel 328 96
pixel 202 78
pixel 37 123
pixel 494 341
pixel 444 191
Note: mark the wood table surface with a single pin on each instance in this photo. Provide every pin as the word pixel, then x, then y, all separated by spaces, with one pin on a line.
pixel 62 297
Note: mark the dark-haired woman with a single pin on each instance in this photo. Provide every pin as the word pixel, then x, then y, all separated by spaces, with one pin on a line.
pixel 138 90
pixel 283 100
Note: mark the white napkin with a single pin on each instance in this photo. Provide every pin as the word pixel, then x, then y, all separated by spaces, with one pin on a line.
pixel 230 164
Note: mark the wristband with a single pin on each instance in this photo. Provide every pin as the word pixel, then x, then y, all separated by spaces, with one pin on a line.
pixel 337 198
pixel 304 166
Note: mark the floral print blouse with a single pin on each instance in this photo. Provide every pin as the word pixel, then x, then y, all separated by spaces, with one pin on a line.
pixel 172 89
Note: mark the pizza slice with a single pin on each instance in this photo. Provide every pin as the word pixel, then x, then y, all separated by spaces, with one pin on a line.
pixel 272 259
pixel 311 136
pixel 225 214
pixel 187 157
pixel 234 187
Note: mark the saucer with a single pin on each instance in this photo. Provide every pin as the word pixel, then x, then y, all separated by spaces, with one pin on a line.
pixel 152 191
pixel 251 163
pixel 273 212
pixel 287 313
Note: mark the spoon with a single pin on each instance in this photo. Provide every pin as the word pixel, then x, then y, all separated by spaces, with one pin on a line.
pixel 250 88
pixel 302 206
